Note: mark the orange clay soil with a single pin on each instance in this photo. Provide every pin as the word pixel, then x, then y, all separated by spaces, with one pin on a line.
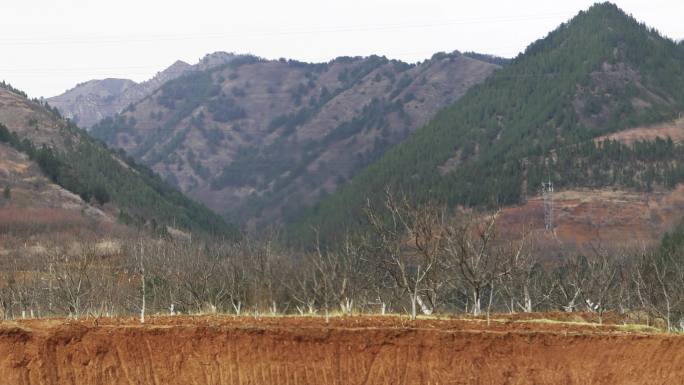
pixel 345 351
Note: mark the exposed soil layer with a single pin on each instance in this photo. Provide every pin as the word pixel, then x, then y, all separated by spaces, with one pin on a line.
pixel 586 219
pixel 355 350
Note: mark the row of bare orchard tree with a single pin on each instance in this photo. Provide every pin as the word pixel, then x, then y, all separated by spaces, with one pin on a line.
pixel 414 259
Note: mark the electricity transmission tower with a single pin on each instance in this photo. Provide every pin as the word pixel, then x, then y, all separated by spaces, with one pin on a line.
pixel 547 192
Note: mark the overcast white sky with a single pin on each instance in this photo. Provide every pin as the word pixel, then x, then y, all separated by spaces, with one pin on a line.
pixel 47 46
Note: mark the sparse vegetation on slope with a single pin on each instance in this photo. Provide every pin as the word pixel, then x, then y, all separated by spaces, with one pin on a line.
pixel 260 140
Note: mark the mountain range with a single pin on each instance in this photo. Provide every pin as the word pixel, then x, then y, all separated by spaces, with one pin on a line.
pixel 594 108
pixel 259 140
pixel 89 102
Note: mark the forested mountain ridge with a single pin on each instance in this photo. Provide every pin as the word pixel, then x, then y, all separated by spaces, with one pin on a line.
pixel 262 139
pixel 599 73
pixel 98 179
pixel 89 102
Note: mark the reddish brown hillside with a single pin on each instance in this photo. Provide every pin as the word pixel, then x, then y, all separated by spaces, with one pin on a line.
pixel 35 208
pixel 611 217
pixel 346 351
pixel 585 219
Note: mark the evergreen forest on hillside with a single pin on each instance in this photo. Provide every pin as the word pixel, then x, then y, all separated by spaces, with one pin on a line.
pixel 99 175
pixel 601 72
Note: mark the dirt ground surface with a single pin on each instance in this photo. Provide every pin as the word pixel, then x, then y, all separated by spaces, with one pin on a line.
pixel 345 350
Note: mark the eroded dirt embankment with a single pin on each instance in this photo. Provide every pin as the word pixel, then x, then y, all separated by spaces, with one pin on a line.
pixel 346 351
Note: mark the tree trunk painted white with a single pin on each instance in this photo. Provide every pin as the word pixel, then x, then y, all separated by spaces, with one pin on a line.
pixel 477 303
pixel 346 306
pixel 142 282
pixel 489 304
pixel 571 305
pixel 528 300
pixel 423 306
pixel 51 274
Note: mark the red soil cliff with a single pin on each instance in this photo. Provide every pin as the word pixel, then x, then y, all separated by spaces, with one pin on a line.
pixel 185 350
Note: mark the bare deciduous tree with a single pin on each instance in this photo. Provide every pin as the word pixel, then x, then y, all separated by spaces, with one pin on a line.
pixel 525 286
pixel 72 275
pixel 407 244
pixel 659 281
pixel 473 252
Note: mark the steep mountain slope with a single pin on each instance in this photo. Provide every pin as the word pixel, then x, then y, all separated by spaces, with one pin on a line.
pixel 261 139
pixel 94 100
pixel 89 102
pixel 534 120
pixel 32 207
pixel 49 163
